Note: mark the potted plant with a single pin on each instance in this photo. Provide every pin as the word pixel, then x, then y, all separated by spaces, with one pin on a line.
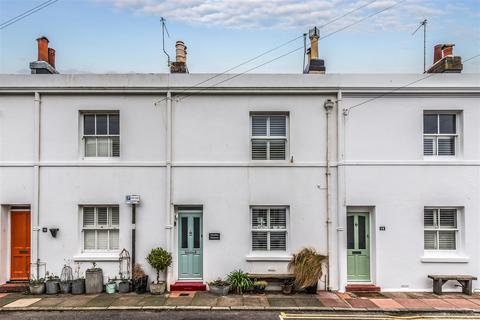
pixel 94 279
pixel 124 286
pixel 307 267
pixel 219 287
pixel 259 286
pixel 111 286
pixel 52 284
pixel 160 259
pixel 78 284
pixel 239 281
pixel 37 286
pixel 287 286
pixel 139 279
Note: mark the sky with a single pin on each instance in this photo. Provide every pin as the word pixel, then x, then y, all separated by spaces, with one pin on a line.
pixel 125 36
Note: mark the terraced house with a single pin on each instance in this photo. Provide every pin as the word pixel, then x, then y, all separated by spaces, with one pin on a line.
pixel 381 172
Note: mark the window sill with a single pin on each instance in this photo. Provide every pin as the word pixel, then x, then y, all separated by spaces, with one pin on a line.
pixel 266 257
pixel 444 259
pixel 97 256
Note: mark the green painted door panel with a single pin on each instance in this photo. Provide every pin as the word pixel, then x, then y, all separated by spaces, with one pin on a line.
pixel 190 245
pixel 358 247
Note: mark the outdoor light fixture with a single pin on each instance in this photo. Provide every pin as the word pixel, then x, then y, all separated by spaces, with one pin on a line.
pixel 53 232
pixel 328 105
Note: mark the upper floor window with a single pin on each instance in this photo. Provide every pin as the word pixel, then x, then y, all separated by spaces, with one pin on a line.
pixel 100 228
pixel 439 134
pixel 269 228
pixel 440 228
pixel 101 134
pixel 269 136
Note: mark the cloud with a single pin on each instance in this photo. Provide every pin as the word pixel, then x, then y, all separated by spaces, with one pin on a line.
pixel 285 14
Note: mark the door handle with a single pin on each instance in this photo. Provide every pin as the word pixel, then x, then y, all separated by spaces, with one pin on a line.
pixel 356 252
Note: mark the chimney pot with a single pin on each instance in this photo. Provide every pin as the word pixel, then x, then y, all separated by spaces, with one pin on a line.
pixel 180 65
pixel 315 65
pixel 42 49
pixel 447 50
pixel 444 61
pixel 51 57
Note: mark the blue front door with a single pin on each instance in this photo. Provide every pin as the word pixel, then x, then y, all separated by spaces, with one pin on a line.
pixel 190 244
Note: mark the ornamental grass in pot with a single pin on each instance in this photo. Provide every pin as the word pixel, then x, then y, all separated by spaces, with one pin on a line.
pixel 139 279
pixel 219 287
pixel 307 267
pixel 239 281
pixel 159 259
pixel 259 286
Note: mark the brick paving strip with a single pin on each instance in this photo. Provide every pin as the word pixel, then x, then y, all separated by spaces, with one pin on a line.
pixel 323 301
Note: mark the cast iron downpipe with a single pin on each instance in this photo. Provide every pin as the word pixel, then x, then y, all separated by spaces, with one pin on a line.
pixel 133 233
pixel 328 105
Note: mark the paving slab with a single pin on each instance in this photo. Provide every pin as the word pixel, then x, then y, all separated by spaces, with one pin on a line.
pixel 22 303
pixel 128 301
pixel 476 301
pixel 327 295
pixel 153 301
pixel 361 303
pixel 103 300
pixel 180 301
pixel 282 302
pixel 204 299
pixel 412 303
pixel 2 295
pixel 77 301
pixel 49 302
pixel 387 303
pixel 438 303
pixel 334 303
pixel 396 295
pixel 463 303
pixel 230 301
pixel 308 302
pixel 255 301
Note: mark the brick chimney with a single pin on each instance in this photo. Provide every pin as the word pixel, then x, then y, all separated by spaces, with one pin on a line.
pixel 444 61
pixel 315 65
pixel 180 65
pixel 45 63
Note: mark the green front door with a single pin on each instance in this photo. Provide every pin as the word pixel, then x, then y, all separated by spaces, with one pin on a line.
pixel 190 244
pixel 358 247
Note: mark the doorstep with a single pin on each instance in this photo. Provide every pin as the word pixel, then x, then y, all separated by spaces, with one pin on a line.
pixel 188 286
pixel 365 287
pixel 14 287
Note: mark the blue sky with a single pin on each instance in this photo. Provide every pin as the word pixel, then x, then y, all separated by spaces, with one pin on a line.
pixel 123 36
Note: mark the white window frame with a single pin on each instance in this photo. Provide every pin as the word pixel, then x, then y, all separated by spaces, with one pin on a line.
pixel 269 138
pixel 97 227
pixel 437 228
pixel 436 136
pixel 269 230
pixel 83 136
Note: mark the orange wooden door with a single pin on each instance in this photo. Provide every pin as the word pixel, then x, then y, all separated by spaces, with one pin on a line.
pixel 20 245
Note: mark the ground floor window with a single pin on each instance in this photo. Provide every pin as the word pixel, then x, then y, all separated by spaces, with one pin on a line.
pixel 269 228
pixel 440 228
pixel 100 228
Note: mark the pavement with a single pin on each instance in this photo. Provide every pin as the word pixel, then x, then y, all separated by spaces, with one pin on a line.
pixel 391 303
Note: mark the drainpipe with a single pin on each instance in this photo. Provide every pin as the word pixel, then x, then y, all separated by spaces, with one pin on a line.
pixel 341 202
pixel 328 105
pixel 36 180
pixel 168 186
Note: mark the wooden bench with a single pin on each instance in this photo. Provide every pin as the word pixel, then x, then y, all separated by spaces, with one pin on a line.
pixel 464 280
pixel 276 277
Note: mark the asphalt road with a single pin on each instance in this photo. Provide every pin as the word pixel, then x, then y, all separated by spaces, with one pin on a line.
pixel 209 315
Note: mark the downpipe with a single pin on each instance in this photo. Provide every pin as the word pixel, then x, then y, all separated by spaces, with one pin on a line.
pixel 328 105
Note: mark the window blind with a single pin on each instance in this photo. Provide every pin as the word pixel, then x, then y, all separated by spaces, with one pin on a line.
pixel 441 228
pixel 269 229
pixel 269 137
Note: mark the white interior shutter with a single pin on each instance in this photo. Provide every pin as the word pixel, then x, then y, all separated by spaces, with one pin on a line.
pixel 277 149
pixel 114 239
pixel 88 216
pixel 89 239
pixel 259 218
pixel 448 218
pixel 447 240
pixel 278 126
pixel 278 241
pixel 259 126
pixel 115 216
pixel 446 146
pixel 429 146
pixel 278 218
pixel 259 240
pixel 430 240
pixel 259 150
pixel 429 218
pixel 115 141
pixel 102 239
pixel 102 216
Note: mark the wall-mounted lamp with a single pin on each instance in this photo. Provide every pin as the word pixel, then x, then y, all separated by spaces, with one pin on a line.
pixel 53 232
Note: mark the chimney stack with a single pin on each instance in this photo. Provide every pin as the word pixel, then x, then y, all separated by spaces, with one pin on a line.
pixel 444 61
pixel 315 65
pixel 45 63
pixel 180 65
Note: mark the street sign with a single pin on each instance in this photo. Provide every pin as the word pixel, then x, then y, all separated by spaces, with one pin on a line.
pixel 132 199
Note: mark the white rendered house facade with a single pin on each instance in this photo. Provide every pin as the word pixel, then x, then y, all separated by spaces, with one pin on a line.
pixel 243 174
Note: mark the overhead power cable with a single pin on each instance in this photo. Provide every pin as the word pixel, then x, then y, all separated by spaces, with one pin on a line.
pixel 346 110
pixel 292 51
pixel 269 51
pixel 26 13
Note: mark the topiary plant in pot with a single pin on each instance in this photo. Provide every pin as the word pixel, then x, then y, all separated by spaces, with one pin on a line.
pixel 307 267
pixel 160 259
pixel 239 281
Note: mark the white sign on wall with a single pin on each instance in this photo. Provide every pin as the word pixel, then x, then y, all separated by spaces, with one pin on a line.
pixel 132 199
